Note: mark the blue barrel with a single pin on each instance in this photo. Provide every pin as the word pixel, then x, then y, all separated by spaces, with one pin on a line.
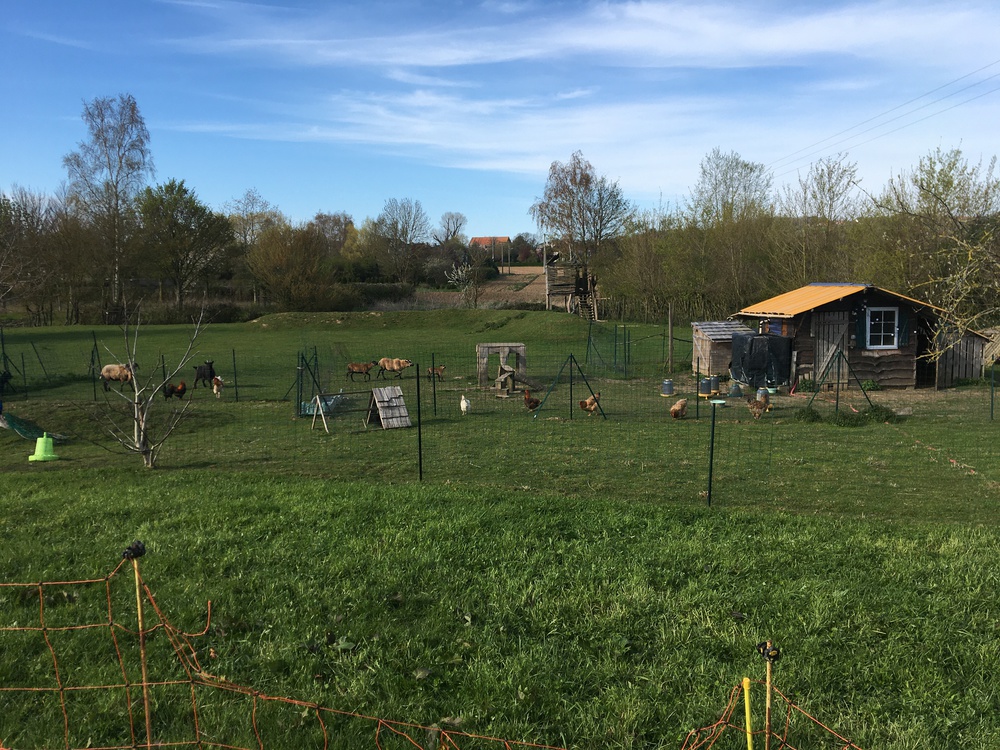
pixel 705 387
pixel 667 389
pixel 713 384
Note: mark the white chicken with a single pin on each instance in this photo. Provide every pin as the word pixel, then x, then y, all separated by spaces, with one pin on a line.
pixel 465 404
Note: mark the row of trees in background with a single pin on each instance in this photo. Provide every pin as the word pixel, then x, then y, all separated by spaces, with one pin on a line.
pixel 931 233
pixel 110 236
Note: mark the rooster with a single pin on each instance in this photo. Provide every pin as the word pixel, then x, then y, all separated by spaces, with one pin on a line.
pixel 174 390
pixel 530 402
pixel 757 407
pixel 590 405
pixel 680 409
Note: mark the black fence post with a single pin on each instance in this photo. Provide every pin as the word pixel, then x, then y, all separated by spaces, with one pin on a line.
pixel 420 444
pixel 236 381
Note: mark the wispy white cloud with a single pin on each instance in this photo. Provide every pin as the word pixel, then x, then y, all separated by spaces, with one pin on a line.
pixel 647 32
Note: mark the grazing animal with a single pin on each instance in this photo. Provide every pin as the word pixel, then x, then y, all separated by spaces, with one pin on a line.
pixel 389 364
pixel 170 390
pixel 204 373
pixel 530 401
pixel 119 373
pixel 217 384
pixel 465 404
pixel 590 405
pixel 680 409
pixel 757 406
pixel 435 371
pixel 363 368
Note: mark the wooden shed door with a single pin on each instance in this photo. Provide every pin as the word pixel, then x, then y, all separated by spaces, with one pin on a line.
pixel 831 331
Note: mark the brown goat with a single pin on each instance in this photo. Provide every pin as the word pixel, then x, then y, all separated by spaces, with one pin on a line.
pixel 359 368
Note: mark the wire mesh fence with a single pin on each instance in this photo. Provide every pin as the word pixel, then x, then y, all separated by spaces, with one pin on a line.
pixel 721 452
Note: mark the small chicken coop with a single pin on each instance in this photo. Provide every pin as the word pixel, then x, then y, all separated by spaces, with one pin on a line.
pixel 712 345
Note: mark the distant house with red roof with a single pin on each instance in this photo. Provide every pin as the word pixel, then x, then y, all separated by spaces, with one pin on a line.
pixel 488 242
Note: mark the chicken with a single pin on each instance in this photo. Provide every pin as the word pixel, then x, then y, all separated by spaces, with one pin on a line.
pixel 530 402
pixel 680 409
pixel 590 405
pixel 757 407
pixel 465 404
pixel 174 390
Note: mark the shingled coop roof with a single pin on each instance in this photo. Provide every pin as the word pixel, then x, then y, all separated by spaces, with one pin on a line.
pixel 720 330
pixel 712 345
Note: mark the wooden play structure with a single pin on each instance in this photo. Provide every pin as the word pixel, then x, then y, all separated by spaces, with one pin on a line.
pixel 577 287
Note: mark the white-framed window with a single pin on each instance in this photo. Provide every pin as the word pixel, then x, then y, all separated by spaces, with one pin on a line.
pixel 882 328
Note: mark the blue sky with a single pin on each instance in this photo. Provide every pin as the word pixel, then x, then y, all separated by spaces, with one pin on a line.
pixel 340 106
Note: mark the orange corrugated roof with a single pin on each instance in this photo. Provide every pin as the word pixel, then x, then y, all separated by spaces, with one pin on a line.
pixel 806 298
pixel 801 300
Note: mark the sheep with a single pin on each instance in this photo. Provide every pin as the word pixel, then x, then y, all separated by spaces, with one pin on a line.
pixel 435 371
pixel 217 384
pixel 119 373
pixel 364 368
pixel 679 409
pixel 204 373
pixel 389 364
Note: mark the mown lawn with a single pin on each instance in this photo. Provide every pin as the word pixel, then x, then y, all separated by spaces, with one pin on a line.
pixel 555 580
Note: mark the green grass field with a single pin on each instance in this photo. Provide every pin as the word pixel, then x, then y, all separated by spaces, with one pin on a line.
pixel 560 579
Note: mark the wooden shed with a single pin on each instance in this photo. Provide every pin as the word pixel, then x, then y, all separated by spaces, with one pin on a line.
pixel 712 345
pixel 884 337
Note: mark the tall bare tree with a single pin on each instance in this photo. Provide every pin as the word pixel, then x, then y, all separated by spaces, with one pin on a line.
pixel 452 226
pixel 729 217
pixel 579 211
pixel 814 215
pixel 404 227
pixel 106 173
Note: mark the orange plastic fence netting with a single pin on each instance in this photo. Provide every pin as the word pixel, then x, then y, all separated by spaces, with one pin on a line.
pixel 159 694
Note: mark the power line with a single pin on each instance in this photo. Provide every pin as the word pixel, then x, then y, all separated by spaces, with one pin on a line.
pixel 812 148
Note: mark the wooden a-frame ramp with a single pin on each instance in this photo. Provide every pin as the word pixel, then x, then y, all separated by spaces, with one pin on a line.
pixel 388 408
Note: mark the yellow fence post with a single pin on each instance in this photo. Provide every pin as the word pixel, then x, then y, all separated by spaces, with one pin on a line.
pixel 133 552
pixel 746 703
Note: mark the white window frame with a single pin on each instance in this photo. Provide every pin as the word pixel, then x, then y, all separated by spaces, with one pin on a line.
pixel 868 328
